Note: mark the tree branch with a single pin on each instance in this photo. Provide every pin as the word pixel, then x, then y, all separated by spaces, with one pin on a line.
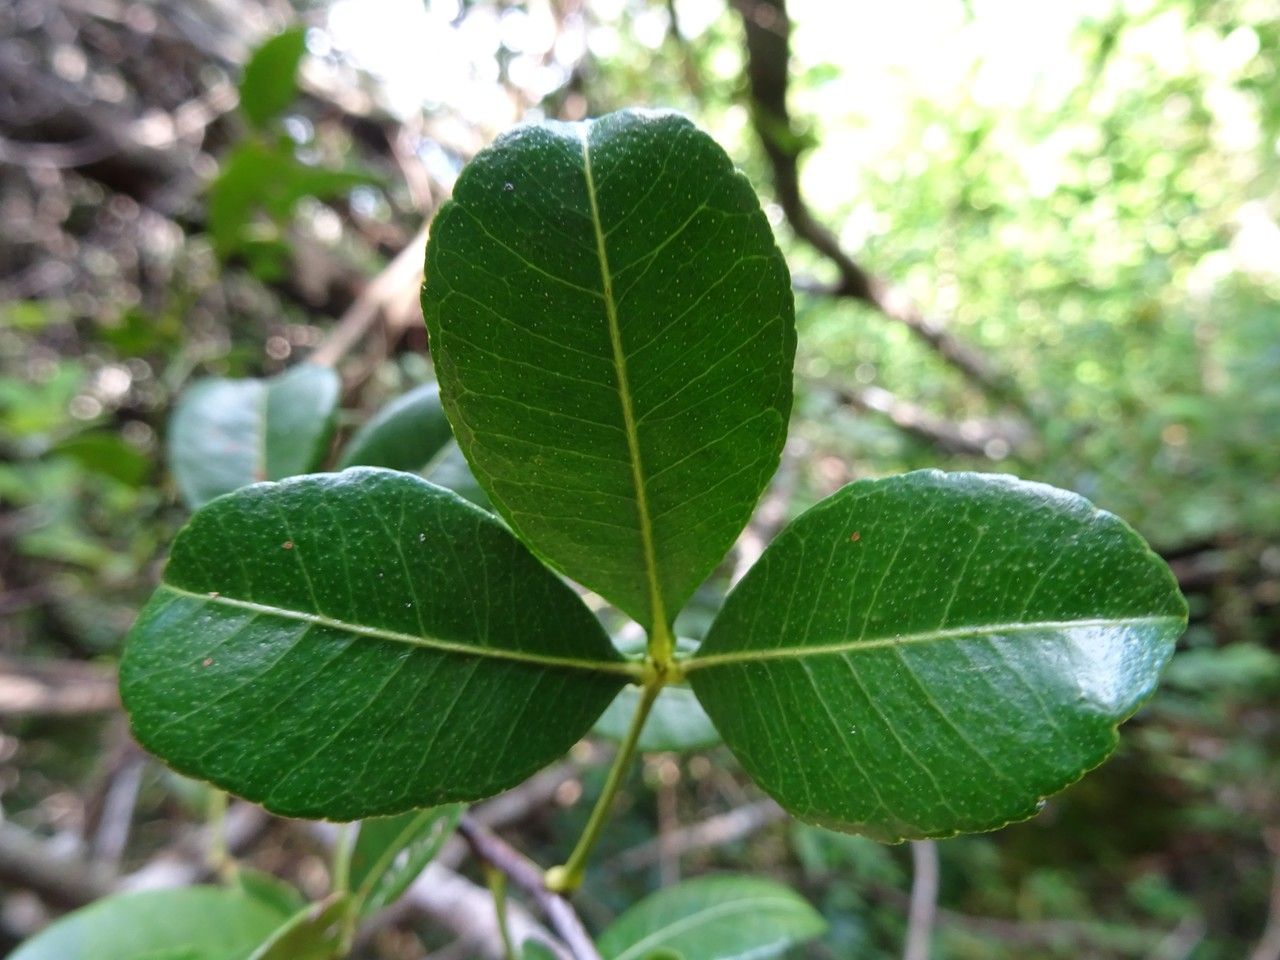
pixel 529 877
pixel 768 31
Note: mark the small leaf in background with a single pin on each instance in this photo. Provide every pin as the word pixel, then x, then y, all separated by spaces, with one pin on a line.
pixel 359 644
pixel 192 923
pixel 935 653
pixel 713 918
pixel 676 721
pixel 270 80
pixel 314 933
pixel 227 434
pixel 271 890
pixel 536 950
pixel 106 454
pixel 406 434
pixel 390 852
pixel 258 181
pixel 613 332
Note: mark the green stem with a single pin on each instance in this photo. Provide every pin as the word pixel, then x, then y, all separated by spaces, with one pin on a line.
pixel 567 878
pixel 219 858
pixel 662 646
pixel 498 887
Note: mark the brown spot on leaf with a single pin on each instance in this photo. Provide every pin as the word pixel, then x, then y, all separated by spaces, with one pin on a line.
pixel 207 662
pixel 288 544
pixel 855 537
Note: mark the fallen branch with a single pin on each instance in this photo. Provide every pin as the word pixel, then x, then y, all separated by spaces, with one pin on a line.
pixel 392 293
pixel 715 831
pixel 529 877
pixel 55 688
pixel 924 900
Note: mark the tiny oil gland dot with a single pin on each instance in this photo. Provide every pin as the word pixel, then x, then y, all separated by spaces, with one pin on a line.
pixel 288 544
pixel 855 537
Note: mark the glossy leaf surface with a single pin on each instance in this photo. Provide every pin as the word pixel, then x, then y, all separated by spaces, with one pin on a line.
pixel 390 852
pixel 613 332
pixel 935 653
pixel 358 644
pixel 713 918
pixel 226 434
pixel 191 923
pixel 406 434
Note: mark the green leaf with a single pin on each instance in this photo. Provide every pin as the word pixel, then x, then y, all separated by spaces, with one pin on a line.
pixel 259 179
pixel 314 933
pixel 536 950
pixel 935 653
pixel 406 434
pixel 713 918
pixel 390 852
pixel 192 923
pixel 270 80
pixel 106 454
pixel 359 644
pixel 613 332
pixel 450 470
pixel 676 721
pixel 271 890
pixel 226 434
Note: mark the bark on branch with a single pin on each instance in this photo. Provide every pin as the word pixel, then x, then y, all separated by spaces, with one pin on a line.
pixel 768 31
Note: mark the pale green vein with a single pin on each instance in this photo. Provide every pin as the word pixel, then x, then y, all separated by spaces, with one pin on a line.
pixel 976 631
pixel 657 606
pixel 620 668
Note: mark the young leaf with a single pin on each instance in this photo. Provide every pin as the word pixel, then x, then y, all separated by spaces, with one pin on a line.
pixel 935 653
pixel 271 890
pixel 270 80
pixel 314 933
pixel 227 434
pixel 713 918
pixel 192 923
pixel 359 644
pixel 390 852
pixel 676 721
pixel 613 331
pixel 406 434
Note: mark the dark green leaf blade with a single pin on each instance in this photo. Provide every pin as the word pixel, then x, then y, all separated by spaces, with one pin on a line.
pixel 227 434
pixel 714 918
pixel 359 644
pixel 390 852
pixel 270 80
pixel 613 331
pixel 200 923
pixel 406 434
pixel 935 653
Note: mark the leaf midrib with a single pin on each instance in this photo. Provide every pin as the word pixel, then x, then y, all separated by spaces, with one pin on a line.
pixel 657 609
pixel 924 636
pixel 615 667
pixel 701 918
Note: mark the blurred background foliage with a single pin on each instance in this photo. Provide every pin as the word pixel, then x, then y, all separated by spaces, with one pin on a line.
pixel 1066 218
